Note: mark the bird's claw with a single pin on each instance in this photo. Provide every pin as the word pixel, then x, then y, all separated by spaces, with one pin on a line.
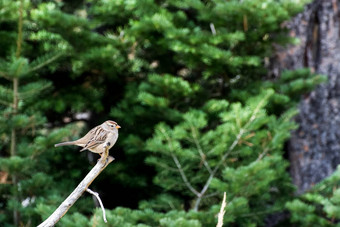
pixel 107 145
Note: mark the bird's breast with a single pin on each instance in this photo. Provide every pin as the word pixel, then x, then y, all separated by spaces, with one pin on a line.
pixel 112 138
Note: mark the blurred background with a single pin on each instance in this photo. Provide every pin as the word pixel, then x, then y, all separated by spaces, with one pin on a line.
pixel 212 96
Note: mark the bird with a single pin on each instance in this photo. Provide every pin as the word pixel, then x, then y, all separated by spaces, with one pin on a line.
pixel 97 139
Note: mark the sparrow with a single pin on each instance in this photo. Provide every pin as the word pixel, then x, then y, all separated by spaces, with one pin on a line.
pixel 97 139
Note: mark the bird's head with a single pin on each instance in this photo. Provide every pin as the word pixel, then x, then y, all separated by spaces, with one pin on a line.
pixel 111 125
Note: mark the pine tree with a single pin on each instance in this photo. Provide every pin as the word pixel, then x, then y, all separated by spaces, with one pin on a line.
pixel 189 55
pixel 184 53
pixel 22 176
pixel 28 177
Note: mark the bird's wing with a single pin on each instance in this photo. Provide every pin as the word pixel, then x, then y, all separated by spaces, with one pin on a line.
pixel 97 139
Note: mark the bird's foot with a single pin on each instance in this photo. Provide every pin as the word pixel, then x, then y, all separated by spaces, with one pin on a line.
pixel 108 159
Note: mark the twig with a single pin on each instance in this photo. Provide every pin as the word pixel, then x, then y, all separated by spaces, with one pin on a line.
pixel 212 194
pixel 212 28
pixel 164 166
pixel 78 191
pixel 262 154
pixel 100 202
pixel 48 61
pixel 4 75
pixel 179 166
pixel 185 179
pixel 5 103
pixel 222 211
pixel 199 149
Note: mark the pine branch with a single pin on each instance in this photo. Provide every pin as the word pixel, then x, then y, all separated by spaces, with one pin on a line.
pixel 185 179
pixel 265 151
pixel 179 166
pixel 200 150
pixel 78 191
pixel 46 62
pixel 231 148
pixel 34 88
pixel 4 75
pixel 5 103
pixel 217 167
pixel 164 166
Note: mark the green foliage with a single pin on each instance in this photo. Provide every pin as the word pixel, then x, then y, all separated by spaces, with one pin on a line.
pixel 292 87
pixel 231 157
pixel 184 79
pixel 25 163
pixel 143 218
pixel 320 206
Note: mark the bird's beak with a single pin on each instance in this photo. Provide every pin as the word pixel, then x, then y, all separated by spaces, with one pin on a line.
pixel 117 127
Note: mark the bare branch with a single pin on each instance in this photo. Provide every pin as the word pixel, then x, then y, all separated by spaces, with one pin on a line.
pixel 222 211
pixel 100 202
pixel 78 191
pixel 212 28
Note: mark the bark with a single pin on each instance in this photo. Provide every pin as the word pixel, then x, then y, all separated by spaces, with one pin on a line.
pixel 314 148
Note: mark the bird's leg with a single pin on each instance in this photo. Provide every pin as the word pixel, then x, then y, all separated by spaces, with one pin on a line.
pixel 107 145
pixel 106 150
pixel 105 154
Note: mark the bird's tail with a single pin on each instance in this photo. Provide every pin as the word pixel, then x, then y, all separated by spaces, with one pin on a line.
pixel 64 144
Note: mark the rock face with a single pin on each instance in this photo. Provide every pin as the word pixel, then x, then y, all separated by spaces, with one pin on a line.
pixel 314 148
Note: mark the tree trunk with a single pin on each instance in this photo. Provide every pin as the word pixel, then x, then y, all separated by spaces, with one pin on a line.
pixel 314 148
